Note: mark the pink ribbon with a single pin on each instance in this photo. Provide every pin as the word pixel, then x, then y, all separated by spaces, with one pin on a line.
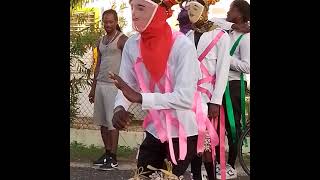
pixel 208 79
pixel 154 115
pixel 210 46
pixel 201 119
pixel 205 91
pixel 203 68
pixel 222 144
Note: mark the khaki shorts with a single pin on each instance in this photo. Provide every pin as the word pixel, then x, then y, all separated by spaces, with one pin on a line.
pixel 104 100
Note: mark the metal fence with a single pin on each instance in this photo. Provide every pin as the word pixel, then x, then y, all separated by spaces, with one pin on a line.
pixel 84 119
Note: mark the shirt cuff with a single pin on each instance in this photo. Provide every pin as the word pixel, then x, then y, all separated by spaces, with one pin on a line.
pixel 148 101
pixel 216 100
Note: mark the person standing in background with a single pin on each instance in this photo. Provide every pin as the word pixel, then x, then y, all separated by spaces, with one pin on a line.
pixel 103 91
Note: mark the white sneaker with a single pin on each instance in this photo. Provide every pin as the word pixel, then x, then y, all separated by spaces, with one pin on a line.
pixel 204 175
pixel 231 173
pixel 217 168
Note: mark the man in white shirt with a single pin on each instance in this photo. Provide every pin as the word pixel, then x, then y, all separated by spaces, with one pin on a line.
pixel 226 25
pixel 217 63
pixel 239 14
pixel 185 24
pixel 159 69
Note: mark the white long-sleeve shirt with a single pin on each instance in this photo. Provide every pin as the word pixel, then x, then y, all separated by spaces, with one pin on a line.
pixel 221 22
pixel 184 68
pixel 226 25
pixel 217 61
pixel 240 61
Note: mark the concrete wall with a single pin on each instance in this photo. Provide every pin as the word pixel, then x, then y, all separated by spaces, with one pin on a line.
pixel 131 138
pixel 88 137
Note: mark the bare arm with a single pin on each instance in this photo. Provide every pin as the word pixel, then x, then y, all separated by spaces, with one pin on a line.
pixel 244 28
pixel 122 41
pixel 96 72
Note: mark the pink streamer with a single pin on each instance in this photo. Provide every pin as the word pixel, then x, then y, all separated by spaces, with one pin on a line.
pixel 154 115
pixel 211 129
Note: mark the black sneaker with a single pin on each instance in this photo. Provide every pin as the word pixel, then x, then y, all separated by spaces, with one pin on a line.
pixel 109 165
pixel 101 160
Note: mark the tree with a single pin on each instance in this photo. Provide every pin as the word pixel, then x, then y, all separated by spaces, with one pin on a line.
pixel 80 43
pixel 74 4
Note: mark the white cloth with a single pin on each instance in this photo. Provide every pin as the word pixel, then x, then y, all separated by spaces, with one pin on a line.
pixel 217 62
pixel 226 25
pixel 185 71
pixel 240 61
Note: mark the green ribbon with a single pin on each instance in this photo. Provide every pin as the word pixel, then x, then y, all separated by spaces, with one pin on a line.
pixel 243 102
pixel 243 106
pixel 230 113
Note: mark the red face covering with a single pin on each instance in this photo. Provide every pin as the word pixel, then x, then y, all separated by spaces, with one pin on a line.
pixel 156 43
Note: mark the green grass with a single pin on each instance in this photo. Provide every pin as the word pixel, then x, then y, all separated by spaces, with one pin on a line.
pixel 82 153
pixel 126 152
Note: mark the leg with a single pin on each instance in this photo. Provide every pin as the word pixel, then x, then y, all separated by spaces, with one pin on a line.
pixel 218 132
pixel 208 161
pixel 109 134
pixel 110 93
pixel 236 104
pixel 111 160
pixel 182 165
pixel 114 137
pixel 152 152
pixel 208 164
pixel 105 134
pixel 196 167
pixel 99 117
pixel 99 114
pixel 210 170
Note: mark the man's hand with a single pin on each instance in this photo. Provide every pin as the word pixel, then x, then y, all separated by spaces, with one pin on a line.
pixel 121 118
pixel 243 28
pixel 91 95
pixel 213 111
pixel 127 91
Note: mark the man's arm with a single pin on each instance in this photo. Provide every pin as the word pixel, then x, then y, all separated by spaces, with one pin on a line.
pixel 222 23
pixel 226 25
pixel 122 41
pixel 96 72
pixel 222 69
pixel 97 69
pixel 242 64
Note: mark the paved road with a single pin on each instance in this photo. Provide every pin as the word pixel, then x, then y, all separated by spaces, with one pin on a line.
pixel 93 174
pixel 88 173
